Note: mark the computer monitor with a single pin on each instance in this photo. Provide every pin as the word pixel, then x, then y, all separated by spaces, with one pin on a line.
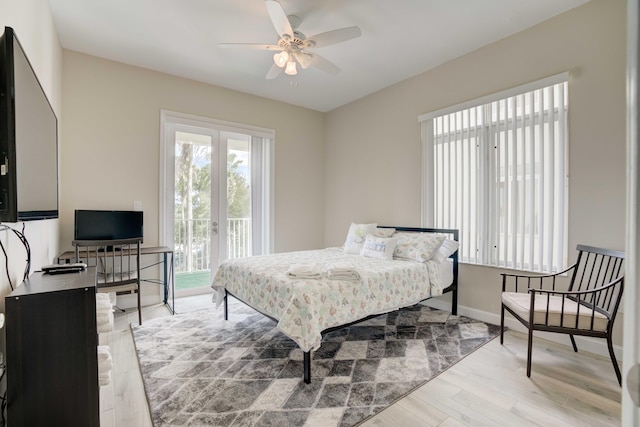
pixel 107 225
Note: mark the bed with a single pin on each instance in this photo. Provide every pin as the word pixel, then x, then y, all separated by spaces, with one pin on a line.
pixel 380 269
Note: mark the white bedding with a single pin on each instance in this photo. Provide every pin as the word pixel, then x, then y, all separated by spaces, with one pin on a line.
pixel 446 272
pixel 306 307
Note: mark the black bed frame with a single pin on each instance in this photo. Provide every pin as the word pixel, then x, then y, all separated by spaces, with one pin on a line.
pixel 453 233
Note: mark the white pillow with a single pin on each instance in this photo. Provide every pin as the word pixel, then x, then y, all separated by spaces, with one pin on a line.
pixel 379 247
pixel 384 232
pixel 417 246
pixel 446 250
pixel 356 237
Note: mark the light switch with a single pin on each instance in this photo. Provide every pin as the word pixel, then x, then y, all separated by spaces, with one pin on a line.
pixel 137 205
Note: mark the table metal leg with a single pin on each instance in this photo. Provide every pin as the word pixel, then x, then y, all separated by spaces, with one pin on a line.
pixel 168 280
pixel 173 284
pixel 165 277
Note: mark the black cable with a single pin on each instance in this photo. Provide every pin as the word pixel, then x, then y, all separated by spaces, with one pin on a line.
pixel 27 248
pixel 3 398
pixel 3 408
pixel 27 269
pixel 6 264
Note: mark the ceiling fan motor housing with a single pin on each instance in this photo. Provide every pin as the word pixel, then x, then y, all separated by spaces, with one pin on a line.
pixel 298 41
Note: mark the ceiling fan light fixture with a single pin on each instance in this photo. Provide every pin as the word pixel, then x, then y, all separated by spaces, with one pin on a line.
pixel 291 69
pixel 280 59
pixel 304 59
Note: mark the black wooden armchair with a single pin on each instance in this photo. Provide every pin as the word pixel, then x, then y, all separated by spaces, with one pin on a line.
pixel 588 307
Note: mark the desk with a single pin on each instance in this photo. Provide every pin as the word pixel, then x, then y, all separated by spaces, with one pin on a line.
pixel 167 281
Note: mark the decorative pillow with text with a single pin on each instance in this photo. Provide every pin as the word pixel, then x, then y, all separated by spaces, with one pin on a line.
pixel 379 247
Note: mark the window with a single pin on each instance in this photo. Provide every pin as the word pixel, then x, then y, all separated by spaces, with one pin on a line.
pixel 496 169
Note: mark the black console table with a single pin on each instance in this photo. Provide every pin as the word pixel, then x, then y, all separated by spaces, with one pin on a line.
pixel 52 361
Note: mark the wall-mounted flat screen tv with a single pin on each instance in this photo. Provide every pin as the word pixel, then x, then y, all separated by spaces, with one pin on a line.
pixel 28 139
pixel 107 225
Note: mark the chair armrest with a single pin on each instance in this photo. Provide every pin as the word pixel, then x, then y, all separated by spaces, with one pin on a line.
pixel 542 280
pixel 602 288
pixel 604 299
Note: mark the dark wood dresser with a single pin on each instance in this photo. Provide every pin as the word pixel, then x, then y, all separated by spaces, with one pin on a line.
pixel 51 356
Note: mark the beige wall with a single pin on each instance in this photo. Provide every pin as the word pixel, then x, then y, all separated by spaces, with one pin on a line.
pixel 372 148
pixel 31 20
pixel 359 163
pixel 112 145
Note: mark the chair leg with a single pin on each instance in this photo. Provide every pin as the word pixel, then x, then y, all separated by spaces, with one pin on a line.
pixel 573 343
pixel 501 324
pixel 613 359
pixel 529 345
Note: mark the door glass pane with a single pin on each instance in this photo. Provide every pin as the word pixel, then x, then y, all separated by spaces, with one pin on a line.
pixel 238 196
pixel 192 210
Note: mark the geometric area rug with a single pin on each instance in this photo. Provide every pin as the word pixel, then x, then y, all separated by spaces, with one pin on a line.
pixel 200 370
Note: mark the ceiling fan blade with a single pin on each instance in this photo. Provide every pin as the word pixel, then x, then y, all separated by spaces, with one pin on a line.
pixel 334 36
pixel 274 72
pixel 255 46
pixel 324 64
pixel 279 18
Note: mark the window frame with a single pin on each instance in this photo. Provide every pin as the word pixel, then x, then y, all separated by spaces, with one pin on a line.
pixel 486 245
pixel 262 172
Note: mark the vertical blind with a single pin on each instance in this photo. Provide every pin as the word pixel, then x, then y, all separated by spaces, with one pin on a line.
pixel 496 169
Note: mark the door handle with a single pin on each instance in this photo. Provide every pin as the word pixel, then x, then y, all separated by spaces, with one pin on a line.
pixel 214 228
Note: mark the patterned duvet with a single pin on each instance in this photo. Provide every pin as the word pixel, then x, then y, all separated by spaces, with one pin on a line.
pixel 304 308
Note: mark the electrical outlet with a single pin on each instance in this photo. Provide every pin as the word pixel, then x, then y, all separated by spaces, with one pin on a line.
pixel 137 205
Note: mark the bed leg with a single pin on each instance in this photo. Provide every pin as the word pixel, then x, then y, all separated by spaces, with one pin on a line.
pixel 226 305
pixel 454 302
pixel 307 367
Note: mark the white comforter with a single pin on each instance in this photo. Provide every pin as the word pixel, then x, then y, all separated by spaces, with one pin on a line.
pixel 306 307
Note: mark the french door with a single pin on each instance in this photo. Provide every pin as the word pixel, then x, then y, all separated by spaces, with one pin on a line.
pixel 215 195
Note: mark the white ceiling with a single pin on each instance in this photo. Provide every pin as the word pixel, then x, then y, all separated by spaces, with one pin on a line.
pixel 400 39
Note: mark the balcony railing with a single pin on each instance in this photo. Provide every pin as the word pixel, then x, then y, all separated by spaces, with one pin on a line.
pixel 193 243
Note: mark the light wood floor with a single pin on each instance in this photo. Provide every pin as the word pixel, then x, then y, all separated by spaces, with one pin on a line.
pixel 487 388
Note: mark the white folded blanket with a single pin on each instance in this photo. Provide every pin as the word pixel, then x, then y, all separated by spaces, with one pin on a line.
pixel 105 363
pixel 304 271
pixel 106 296
pixel 104 322
pixel 104 313
pixel 104 378
pixel 103 306
pixel 342 272
pixel 102 297
pixel 102 303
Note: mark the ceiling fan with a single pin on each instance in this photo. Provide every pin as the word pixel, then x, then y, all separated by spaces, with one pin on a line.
pixel 293 47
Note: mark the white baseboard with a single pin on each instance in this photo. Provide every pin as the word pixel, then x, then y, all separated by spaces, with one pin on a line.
pixel 592 345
